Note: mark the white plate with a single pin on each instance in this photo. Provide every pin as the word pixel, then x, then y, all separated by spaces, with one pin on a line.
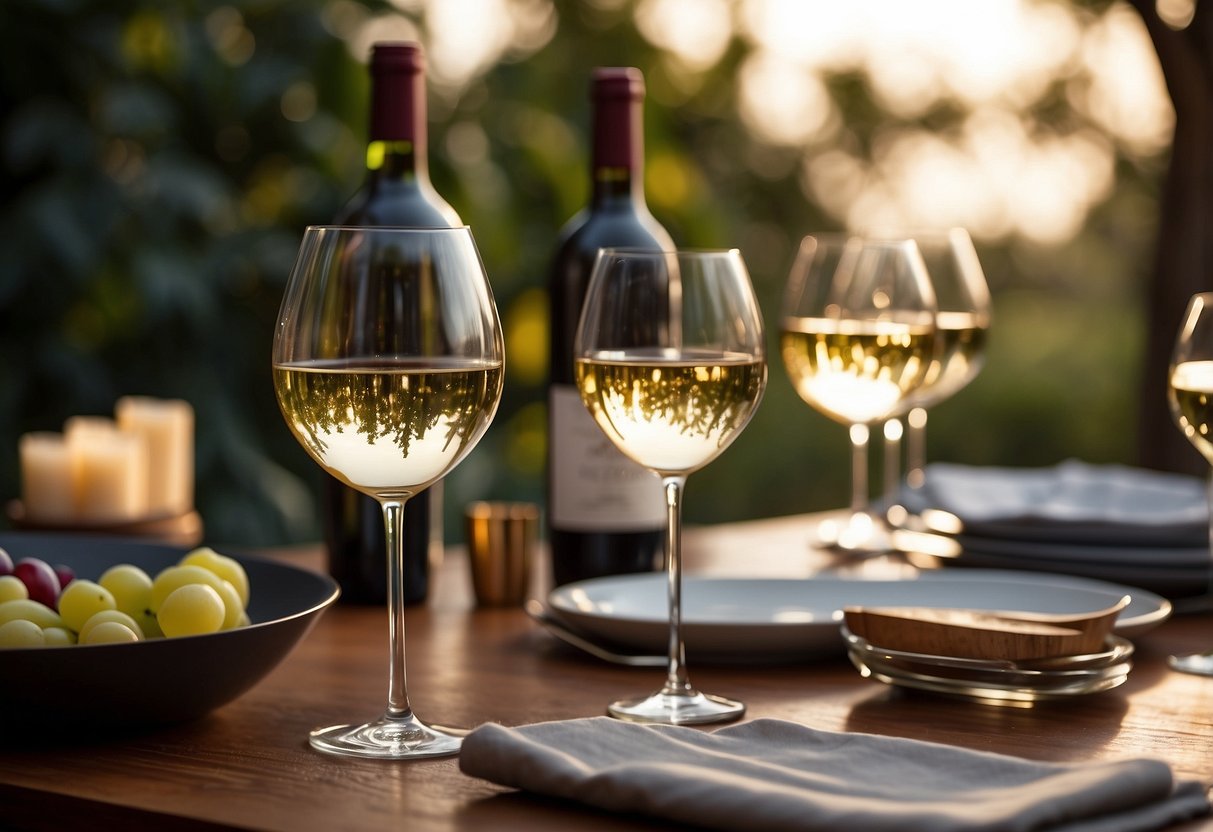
pixel 730 619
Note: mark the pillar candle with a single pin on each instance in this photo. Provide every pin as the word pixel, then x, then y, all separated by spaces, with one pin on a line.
pixel 167 426
pixel 109 471
pixel 46 477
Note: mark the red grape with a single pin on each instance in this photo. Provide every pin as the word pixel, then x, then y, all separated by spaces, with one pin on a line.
pixel 39 579
pixel 6 563
pixel 65 574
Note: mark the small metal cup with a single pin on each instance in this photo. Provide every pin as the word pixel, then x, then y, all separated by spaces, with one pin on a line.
pixel 501 543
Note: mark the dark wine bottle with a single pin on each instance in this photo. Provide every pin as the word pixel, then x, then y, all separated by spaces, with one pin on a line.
pixel 396 192
pixel 606 513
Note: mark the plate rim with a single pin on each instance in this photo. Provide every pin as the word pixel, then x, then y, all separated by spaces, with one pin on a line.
pixel 1159 608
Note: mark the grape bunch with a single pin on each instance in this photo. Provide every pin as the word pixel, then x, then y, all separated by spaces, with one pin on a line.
pixel 45 606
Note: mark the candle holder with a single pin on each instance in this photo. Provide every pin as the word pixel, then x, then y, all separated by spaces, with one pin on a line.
pixel 183 529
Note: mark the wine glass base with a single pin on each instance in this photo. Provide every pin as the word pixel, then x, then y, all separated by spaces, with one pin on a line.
pixel 389 738
pixel 1200 664
pixel 862 534
pixel 691 708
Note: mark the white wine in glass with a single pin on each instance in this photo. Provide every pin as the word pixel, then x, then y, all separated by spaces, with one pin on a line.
pixel 670 362
pixel 858 337
pixel 387 365
pixel 1190 397
pixel 963 314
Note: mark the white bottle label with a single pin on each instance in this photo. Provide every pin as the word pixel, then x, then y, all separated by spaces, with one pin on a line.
pixel 594 487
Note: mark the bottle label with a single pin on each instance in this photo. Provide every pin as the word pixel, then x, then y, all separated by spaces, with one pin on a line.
pixel 594 487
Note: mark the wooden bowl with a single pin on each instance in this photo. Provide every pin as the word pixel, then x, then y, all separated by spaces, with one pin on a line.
pixel 983 634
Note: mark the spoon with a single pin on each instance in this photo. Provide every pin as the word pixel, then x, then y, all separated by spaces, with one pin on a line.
pixel 537 612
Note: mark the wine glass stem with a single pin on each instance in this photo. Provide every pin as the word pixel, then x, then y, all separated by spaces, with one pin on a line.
pixel 892 458
pixel 677 682
pixel 859 468
pixel 393 525
pixel 1209 501
pixel 916 447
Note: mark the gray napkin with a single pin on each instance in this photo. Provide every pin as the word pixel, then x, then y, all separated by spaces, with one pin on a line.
pixel 1072 491
pixel 774 775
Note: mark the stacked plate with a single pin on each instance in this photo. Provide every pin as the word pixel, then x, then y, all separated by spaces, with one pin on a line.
pixel 1127 525
pixel 996 681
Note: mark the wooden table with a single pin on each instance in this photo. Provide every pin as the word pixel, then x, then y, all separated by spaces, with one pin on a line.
pixel 248 766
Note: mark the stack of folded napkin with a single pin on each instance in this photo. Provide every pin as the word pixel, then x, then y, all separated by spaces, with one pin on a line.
pixel 1103 502
pixel 1141 528
pixel 774 775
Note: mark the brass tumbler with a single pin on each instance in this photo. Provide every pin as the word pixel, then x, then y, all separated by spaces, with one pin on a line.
pixel 501 542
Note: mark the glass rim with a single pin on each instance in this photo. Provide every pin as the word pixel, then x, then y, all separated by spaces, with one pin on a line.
pixel 673 252
pixel 863 238
pixel 879 233
pixel 419 229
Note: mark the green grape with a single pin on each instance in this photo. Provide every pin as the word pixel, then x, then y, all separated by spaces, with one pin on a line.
pixel 111 616
pixel 109 632
pixel 58 637
pixel 126 604
pixel 192 609
pixel 223 566
pixel 233 608
pixel 174 577
pixel 80 600
pixel 12 588
pixel 21 632
pixel 130 586
pixel 29 610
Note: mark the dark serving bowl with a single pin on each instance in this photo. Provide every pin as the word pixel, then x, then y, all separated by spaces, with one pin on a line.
pixel 157 681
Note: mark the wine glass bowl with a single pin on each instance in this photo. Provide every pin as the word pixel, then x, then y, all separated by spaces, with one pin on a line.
pixel 387 365
pixel 962 299
pixel 670 362
pixel 1190 399
pixel 1190 376
pixel 858 337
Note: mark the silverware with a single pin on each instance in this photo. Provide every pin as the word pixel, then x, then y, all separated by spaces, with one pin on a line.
pixel 540 614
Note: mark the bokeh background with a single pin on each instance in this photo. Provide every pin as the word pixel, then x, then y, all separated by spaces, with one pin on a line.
pixel 159 160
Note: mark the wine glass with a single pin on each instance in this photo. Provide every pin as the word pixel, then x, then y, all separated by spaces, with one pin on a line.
pixel 387 364
pixel 1190 397
pixel 858 337
pixel 962 318
pixel 670 361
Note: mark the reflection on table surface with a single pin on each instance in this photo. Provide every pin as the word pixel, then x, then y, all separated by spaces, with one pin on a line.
pixel 247 765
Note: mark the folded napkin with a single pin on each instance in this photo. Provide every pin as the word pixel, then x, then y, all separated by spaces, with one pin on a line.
pixel 1171 507
pixel 774 775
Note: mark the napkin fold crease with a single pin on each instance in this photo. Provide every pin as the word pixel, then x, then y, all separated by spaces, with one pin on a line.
pixel 1071 492
pixel 770 774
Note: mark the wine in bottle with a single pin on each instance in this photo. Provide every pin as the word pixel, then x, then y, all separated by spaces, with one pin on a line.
pixel 605 512
pixel 396 192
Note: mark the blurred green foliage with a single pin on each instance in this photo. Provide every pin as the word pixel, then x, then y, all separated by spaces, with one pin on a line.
pixel 158 162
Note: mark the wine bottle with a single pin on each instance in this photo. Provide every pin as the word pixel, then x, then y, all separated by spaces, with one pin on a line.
pixel 396 192
pixel 605 513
